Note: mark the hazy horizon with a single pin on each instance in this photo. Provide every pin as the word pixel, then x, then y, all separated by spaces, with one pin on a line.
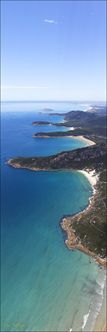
pixel 54 101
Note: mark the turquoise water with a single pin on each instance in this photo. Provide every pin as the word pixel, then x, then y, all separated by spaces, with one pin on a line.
pixel 45 287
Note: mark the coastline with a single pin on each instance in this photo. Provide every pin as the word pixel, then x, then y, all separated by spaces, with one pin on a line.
pixel 89 285
pixel 72 242
pixel 91 176
pixel 100 322
pixel 78 137
pixel 84 139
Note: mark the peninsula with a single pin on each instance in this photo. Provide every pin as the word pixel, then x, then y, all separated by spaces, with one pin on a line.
pixel 90 123
pixel 85 231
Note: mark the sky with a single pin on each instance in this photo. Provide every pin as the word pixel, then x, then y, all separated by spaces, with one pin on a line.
pixel 53 50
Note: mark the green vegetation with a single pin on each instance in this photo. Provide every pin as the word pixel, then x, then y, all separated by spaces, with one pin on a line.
pixel 91 157
pixel 85 123
pixel 90 226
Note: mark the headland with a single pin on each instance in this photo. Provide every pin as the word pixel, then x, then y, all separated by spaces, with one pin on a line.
pixel 85 231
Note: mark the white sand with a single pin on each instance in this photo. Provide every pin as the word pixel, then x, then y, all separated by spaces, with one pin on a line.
pixel 82 138
pixel 101 321
pixel 72 128
pixel 91 176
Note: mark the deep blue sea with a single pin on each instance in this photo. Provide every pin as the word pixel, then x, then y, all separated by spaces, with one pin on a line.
pixel 45 286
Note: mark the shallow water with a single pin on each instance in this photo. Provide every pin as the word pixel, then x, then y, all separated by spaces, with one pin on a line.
pixel 45 287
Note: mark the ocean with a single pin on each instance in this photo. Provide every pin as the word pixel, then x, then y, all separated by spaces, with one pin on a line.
pixel 45 286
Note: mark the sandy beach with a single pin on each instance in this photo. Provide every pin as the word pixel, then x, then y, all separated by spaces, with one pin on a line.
pixel 72 128
pixel 91 176
pixel 100 324
pixel 101 320
pixel 84 139
pixel 71 241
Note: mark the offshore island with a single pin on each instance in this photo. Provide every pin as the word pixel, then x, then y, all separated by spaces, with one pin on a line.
pixel 86 231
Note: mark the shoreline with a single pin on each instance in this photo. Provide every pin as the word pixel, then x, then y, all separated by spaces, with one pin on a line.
pixel 78 137
pixel 100 321
pixel 72 242
pixel 91 176
pixel 83 138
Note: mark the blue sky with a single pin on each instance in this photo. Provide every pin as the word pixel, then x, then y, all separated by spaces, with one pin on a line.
pixel 53 50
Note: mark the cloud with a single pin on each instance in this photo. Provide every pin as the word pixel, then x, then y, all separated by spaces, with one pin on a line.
pixel 50 21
